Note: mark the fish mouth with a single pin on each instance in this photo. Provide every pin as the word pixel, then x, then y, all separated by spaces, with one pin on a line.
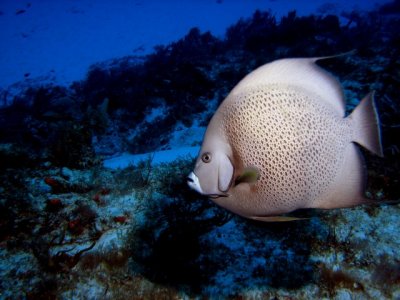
pixel 194 183
pixel 216 196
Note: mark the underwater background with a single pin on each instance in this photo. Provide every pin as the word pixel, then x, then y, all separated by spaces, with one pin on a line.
pixel 103 107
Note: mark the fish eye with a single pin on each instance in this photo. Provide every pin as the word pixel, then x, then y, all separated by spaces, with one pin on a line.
pixel 206 157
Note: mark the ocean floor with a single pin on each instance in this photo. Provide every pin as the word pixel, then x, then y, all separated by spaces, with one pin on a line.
pixel 128 233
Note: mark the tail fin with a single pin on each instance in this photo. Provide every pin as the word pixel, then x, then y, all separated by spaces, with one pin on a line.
pixel 366 121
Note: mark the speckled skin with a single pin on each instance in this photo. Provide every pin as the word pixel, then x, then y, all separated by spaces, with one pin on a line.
pixel 294 140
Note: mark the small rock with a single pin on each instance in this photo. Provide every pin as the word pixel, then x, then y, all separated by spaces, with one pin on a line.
pixel 120 219
pixel 54 204
pixel 67 173
pixel 343 295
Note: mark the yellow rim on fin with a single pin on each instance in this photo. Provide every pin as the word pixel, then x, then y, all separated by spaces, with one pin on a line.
pixel 249 175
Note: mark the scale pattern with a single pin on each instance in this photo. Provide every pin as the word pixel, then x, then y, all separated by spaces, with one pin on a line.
pixel 295 139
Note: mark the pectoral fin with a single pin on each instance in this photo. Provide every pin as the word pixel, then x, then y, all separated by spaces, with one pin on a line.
pixel 249 175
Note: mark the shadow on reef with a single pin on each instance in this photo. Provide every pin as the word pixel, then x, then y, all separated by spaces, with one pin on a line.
pixel 166 248
pixel 189 243
pixel 288 263
pixel 165 244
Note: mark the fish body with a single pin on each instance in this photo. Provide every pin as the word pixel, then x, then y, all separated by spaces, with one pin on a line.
pixel 280 141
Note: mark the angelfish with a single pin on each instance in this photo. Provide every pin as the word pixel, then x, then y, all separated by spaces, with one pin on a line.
pixel 280 141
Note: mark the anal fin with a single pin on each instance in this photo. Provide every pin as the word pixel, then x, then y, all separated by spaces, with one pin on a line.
pixel 277 219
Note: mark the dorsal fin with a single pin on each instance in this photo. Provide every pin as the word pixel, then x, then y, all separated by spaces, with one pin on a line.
pixel 302 72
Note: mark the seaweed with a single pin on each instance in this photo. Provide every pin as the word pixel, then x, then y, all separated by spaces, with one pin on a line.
pixel 72 147
pixel 60 262
pixel 82 217
pixel 332 280
pixel 137 177
pixel 392 7
pixel 18 216
pixel 387 275
pixel 253 34
pixel 188 73
pixel 166 248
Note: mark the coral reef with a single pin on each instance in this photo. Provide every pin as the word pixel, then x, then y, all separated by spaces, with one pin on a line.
pixel 91 232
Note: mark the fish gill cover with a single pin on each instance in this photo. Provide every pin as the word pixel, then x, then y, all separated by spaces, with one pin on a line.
pixel 72 228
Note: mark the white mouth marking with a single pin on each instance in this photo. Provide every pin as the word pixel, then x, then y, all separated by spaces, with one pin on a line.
pixel 193 182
